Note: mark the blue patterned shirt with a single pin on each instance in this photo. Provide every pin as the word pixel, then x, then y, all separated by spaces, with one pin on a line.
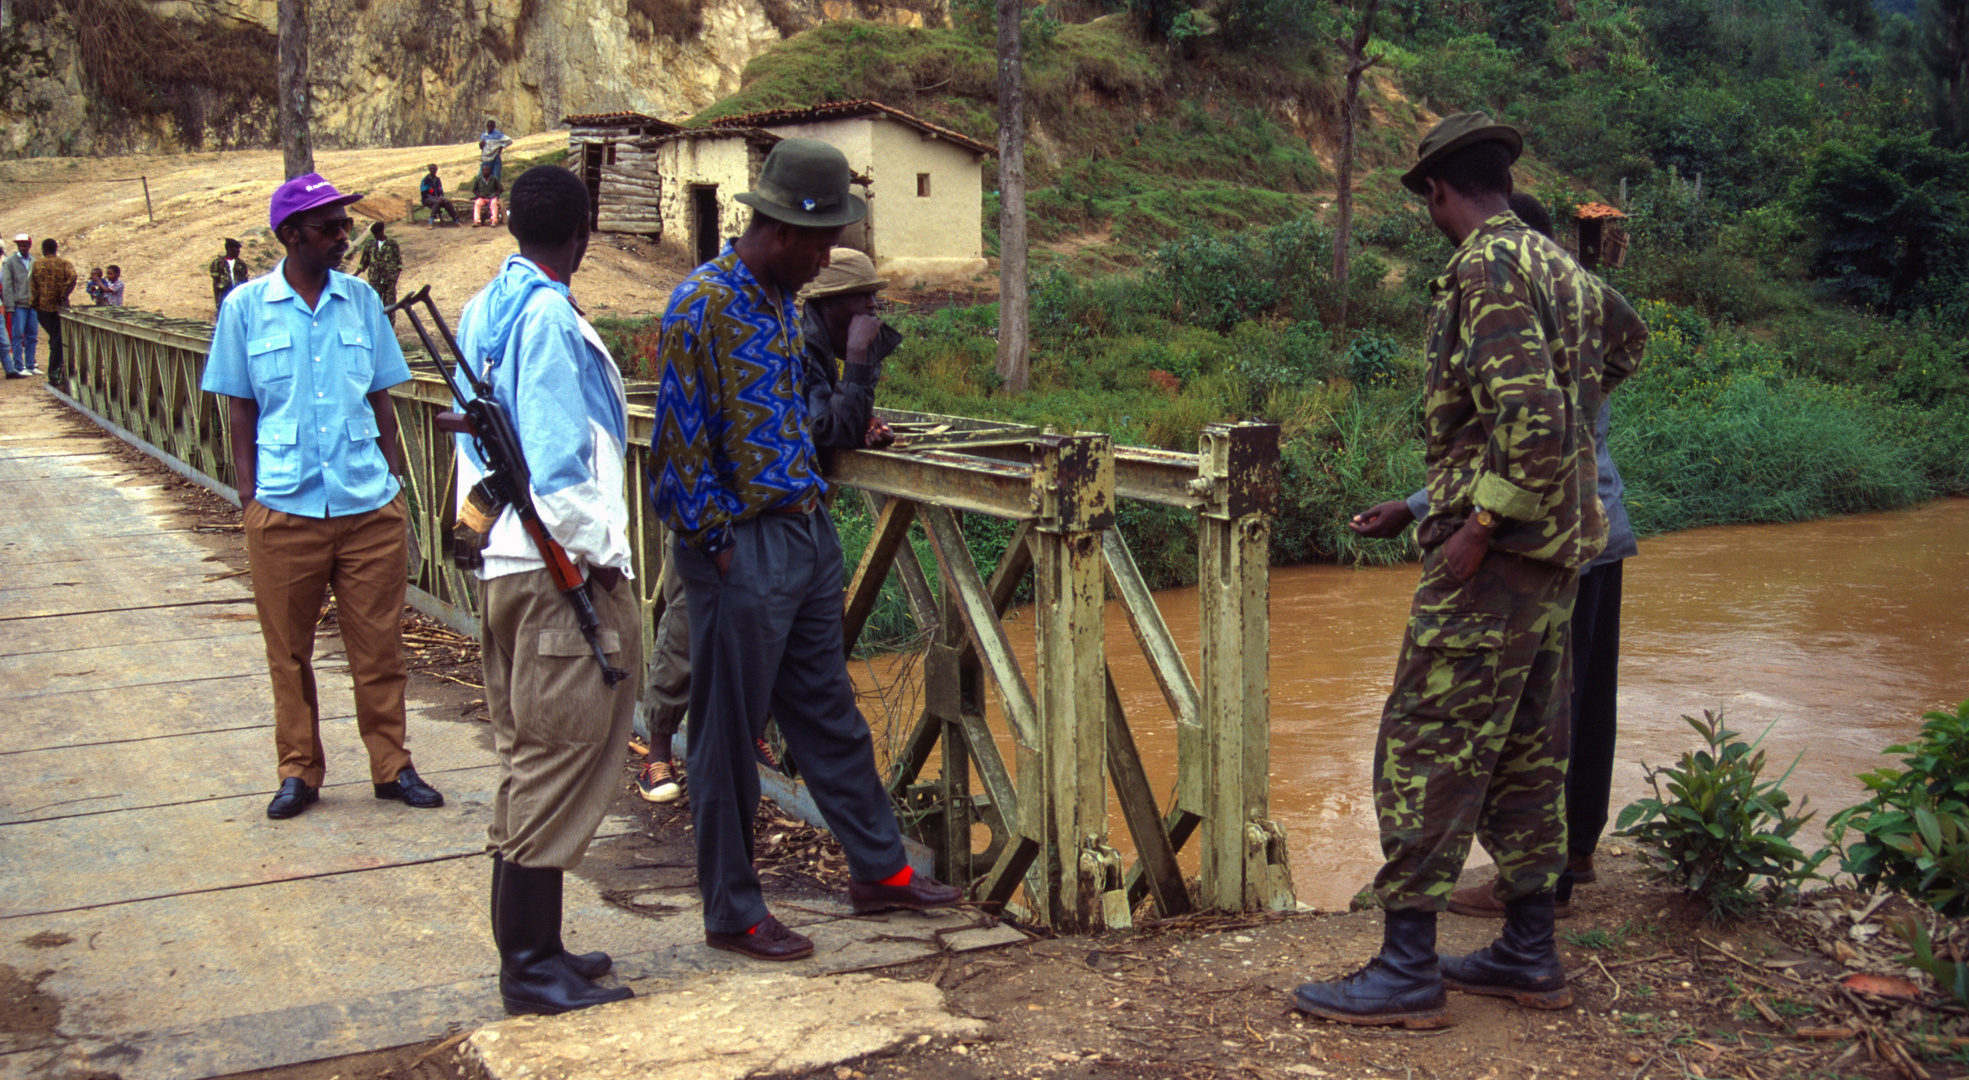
pixel 731 438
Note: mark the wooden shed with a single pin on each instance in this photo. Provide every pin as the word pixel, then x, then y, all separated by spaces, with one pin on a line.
pixel 606 149
pixel 1602 239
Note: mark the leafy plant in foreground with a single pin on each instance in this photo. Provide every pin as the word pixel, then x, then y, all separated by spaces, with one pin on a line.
pixel 1914 830
pixel 1718 827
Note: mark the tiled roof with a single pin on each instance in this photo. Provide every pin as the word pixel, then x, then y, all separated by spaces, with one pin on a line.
pixel 844 110
pixel 750 134
pixel 617 119
pixel 1597 210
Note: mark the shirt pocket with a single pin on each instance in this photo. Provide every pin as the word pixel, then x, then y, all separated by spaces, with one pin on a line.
pixel 358 358
pixel 279 456
pixel 364 468
pixel 270 359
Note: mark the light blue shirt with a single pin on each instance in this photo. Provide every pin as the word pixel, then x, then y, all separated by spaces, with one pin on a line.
pixel 311 373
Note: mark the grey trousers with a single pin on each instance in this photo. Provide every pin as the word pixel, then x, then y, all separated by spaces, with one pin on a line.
pixel 766 638
pixel 558 729
pixel 669 689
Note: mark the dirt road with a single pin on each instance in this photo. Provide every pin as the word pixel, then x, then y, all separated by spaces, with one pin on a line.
pixel 94 208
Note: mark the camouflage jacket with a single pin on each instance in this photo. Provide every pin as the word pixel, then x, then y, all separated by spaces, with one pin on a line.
pixel 1523 344
pixel 382 259
pixel 223 279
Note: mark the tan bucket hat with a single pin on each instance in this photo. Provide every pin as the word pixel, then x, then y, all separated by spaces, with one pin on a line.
pixel 1455 133
pixel 848 272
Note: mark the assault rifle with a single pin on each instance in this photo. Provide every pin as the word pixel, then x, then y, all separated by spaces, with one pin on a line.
pixel 506 482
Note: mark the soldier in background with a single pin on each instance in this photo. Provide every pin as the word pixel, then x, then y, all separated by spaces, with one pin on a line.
pixel 381 261
pixel 229 272
pixel 1475 737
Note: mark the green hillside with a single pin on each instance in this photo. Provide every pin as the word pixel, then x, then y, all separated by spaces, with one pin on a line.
pixel 1798 231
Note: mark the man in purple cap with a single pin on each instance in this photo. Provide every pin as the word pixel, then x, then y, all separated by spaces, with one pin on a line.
pixel 305 358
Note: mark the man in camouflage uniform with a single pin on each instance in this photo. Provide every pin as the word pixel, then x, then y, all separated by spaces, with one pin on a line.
pixel 1474 737
pixel 228 273
pixel 383 261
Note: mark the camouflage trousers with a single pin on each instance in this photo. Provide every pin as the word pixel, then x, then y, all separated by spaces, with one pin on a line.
pixel 386 291
pixel 1474 738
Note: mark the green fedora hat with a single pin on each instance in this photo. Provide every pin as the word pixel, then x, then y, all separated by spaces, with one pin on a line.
pixel 1455 133
pixel 805 182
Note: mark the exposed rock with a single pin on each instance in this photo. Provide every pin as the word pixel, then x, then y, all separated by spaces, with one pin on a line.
pixel 394 72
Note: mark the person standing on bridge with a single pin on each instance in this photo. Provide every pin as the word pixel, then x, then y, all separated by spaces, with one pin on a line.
pixel 304 359
pixel 228 273
pixel 1474 737
pixel 51 284
pixel 23 328
pixel 737 479
pixel 555 722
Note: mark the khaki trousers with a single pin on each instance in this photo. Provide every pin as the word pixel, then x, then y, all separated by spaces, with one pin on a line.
pixel 557 727
pixel 365 558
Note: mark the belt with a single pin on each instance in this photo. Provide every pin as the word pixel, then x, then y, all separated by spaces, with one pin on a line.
pixel 799 509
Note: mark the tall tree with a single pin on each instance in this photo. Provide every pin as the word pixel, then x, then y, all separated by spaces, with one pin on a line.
pixel 296 141
pixel 1014 352
pixel 1944 49
pixel 1358 61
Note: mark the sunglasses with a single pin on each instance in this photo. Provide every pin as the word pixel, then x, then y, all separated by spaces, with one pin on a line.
pixel 331 227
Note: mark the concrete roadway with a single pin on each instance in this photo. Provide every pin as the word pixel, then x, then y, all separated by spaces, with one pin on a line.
pixel 153 922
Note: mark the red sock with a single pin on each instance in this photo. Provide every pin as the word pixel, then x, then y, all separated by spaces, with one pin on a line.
pixel 900 878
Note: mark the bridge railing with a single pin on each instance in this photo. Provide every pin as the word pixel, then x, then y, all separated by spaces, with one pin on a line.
pixel 1046 811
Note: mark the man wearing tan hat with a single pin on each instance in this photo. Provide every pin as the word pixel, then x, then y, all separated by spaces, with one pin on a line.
pixel 739 484
pixel 846 342
pixel 1474 738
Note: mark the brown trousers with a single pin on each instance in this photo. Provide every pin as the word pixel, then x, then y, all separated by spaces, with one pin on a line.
pixel 366 559
pixel 557 727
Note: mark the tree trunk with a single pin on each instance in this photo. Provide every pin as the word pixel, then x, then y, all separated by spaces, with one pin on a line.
pixel 1343 196
pixel 1014 353
pixel 296 142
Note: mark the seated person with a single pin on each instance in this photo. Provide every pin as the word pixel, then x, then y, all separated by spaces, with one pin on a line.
pixel 486 190
pixel 430 192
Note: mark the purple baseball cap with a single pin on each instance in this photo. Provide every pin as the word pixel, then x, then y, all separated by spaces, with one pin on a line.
pixel 305 192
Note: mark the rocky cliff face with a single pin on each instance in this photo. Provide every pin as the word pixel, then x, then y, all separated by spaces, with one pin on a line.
pixel 125 76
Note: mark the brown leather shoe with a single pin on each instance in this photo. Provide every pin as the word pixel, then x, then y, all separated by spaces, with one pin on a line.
pixel 921 894
pixel 770 940
pixel 1478 900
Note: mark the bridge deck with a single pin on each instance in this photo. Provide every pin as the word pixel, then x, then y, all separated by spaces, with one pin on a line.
pixel 153 922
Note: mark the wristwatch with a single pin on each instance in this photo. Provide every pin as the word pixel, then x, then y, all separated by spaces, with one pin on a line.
pixel 1487 519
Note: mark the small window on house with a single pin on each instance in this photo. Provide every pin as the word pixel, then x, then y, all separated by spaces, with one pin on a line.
pixel 922 185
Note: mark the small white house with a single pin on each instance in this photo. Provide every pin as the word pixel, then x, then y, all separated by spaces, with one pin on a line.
pixel 703 171
pixel 924 185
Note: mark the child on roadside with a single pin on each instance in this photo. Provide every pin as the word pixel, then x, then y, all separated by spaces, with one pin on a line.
pixel 95 286
pixel 113 286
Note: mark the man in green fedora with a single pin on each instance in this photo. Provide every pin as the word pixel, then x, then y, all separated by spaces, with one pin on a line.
pixel 738 483
pixel 1474 738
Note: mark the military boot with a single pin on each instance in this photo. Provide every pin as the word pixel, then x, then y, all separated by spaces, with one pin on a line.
pixel 590 966
pixel 534 976
pixel 1401 986
pixel 1522 964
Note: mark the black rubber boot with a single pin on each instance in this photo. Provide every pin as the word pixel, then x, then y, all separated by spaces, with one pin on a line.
pixel 589 965
pixel 1400 986
pixel 1522 964
pixel 533 973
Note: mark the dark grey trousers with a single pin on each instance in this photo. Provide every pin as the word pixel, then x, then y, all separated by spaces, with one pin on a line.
pixel 766 638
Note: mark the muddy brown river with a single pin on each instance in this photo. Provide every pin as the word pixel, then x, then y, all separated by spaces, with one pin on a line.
pixel 1837 635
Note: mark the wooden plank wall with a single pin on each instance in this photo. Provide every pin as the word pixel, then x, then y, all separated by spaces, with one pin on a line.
pixel 631 191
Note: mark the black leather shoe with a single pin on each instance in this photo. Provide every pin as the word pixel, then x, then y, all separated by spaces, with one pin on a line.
pixel 921 894
pixel 770 940
pixel 293 798
pixel 1522 964
pixel 412 790
pixel 1401 986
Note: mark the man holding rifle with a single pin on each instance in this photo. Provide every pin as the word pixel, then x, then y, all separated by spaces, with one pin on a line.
pixel 558 716
pixel 304 359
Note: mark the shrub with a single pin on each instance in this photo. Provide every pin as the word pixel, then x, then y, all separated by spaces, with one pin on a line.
pixel 1913 832
pixel 1718 827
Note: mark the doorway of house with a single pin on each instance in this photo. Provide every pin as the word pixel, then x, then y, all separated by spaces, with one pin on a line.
pixel 704 221
pixel 591 174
